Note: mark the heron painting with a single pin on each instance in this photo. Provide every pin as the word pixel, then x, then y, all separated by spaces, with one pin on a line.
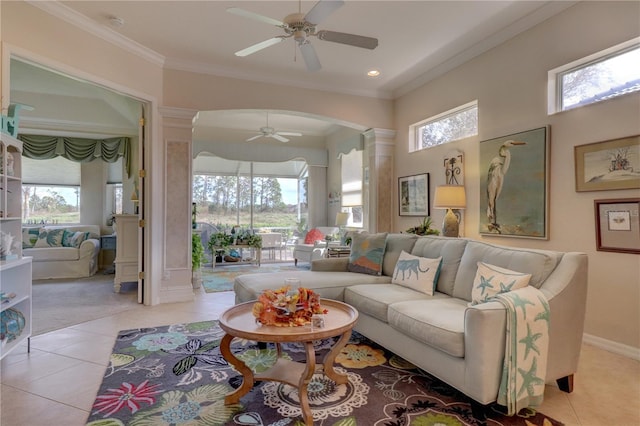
pixel 514 185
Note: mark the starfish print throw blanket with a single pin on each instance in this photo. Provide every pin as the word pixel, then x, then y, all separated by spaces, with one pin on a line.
pixel 527 343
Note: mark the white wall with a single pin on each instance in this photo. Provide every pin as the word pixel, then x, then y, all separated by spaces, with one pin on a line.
pixel 510 83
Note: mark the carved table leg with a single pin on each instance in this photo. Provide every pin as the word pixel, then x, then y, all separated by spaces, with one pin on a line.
pixel 304 382
pixel 247 374
pixel 331 357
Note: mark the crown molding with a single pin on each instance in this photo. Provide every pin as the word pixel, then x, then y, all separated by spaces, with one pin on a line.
pixel 69 15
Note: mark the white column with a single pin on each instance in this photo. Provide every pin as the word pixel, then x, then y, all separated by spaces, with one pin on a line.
pixel 379 179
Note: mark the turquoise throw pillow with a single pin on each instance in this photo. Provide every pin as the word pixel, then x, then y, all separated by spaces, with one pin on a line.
pixel 492 280
pixel 73 238
pixel 367 253
pixel 49 238
pixel 29 237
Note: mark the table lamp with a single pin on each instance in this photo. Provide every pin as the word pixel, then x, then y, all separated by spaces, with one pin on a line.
pixel 342 218
pixel 450 197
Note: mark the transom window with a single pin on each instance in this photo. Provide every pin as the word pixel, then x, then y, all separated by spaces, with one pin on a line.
pixel 455 124
pixel 604 75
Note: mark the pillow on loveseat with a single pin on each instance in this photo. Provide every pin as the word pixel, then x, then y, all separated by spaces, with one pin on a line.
pixel 418 273
pixel 367 253
pixel 49 238
pixel 29 237
pixel 492 280
pixel 313 236
pixel 74 238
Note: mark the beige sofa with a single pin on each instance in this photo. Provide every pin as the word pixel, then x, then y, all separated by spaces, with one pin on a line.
pixel 460 344
pixel 64 262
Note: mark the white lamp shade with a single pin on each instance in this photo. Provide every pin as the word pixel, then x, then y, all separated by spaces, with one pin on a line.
pixel 342 218
pixel 450 196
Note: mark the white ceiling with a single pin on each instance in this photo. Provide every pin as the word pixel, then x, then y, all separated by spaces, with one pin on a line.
pixel 418 40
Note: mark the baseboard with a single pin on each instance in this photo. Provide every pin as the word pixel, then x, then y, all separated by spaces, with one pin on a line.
pixel 611 346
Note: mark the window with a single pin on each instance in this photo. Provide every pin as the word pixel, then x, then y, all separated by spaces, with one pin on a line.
pixel 604 75
pixel 50 191
pixel 452 125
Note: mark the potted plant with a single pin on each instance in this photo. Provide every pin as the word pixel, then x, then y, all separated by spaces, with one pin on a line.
pixel 219 244
pixel 424 228
pixel 197 259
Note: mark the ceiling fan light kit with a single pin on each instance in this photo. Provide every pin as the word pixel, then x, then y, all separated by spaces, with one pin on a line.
pixel 270 132
pixel 301 27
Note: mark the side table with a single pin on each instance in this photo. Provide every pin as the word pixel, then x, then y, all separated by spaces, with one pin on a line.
pixel 340 251
pixel 108 242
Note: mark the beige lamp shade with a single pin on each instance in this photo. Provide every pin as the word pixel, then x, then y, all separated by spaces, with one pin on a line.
pixel 450 197
pixel 342 218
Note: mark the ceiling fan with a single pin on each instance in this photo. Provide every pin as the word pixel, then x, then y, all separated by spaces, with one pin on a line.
pixel 270 132
pixel 301 27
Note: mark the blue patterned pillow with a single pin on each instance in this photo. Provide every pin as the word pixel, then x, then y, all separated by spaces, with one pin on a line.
pixel 367 253
pixel 49 238
pixel 29 237
pixel 73 238
pixel 492 280
pixel 418 273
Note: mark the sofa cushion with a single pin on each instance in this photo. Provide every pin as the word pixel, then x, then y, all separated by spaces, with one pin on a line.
pixel 367 253
pixel 374 299
pixel 73 238
pixel 451 250
pixel 538 263
pixel 329 285
pixel 52 254
pixel 29 237
pixel 492 280
pixel 418 273
pixel 437 323
pixel 49 238
pixel 396 243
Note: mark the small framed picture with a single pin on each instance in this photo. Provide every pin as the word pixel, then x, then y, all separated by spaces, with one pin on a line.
pixel 413 194
pixel 618 225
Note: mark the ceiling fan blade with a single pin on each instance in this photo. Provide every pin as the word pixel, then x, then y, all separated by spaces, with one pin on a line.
pixel 255 16
pixel 310 57
pixel 322 10
pixel 259 46
pixel 278 137
pixel 350 39
pixel 290 133
pixel 254 138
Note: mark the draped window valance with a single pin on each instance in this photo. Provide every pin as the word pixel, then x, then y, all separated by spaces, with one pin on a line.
pixel 82 150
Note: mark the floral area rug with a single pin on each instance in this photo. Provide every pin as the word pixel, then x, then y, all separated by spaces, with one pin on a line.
pixel 175 375
pixel 221 278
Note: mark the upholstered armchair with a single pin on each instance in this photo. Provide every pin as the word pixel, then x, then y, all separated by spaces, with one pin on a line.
pixel 314 247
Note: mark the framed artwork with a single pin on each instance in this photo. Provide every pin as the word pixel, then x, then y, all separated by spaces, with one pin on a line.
pixel 613 164
pixel 413 194
pixel 514 195
pixel 618 225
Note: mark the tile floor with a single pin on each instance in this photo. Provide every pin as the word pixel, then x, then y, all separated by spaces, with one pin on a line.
pixel 57 382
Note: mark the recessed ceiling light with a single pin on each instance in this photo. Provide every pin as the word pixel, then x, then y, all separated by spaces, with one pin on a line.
pixel 373 73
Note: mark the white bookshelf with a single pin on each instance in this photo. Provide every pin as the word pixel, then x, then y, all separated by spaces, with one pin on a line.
pixel 15 270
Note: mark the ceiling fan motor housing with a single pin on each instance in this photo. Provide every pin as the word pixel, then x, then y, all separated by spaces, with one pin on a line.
pixel 296 25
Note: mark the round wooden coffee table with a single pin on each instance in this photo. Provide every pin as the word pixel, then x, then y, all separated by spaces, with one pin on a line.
pixel 238 321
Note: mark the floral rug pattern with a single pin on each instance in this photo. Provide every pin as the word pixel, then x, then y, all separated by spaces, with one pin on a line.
pixel 175 375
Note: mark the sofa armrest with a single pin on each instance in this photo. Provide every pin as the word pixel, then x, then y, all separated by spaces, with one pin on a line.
pixel 331 264
pixel 484 342
pixel 90 247
pixel 566 292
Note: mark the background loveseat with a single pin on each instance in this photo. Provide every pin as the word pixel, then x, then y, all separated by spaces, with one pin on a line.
pixel 314 244
pixel 75 256
pixel 462 344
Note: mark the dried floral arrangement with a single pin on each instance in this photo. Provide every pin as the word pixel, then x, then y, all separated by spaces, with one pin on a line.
pixel 287 308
